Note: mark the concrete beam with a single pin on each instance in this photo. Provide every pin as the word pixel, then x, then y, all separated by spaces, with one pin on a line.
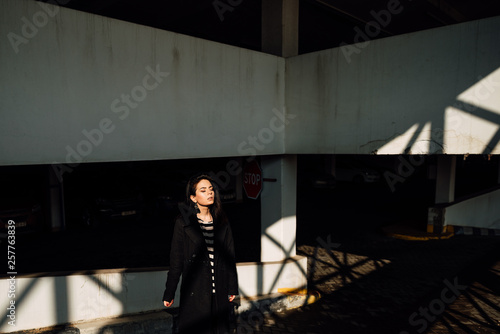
pixel 445 179
pixel 56 214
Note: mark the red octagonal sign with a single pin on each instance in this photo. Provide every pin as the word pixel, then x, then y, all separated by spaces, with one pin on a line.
pixel 252 179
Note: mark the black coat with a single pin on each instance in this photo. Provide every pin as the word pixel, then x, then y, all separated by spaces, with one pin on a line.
pixel 189 258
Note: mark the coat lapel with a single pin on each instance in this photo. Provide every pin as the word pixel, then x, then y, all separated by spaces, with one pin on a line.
pixel 193 230
pixel 220 233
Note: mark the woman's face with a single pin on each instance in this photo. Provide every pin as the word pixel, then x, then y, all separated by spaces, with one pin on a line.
pixel 204 193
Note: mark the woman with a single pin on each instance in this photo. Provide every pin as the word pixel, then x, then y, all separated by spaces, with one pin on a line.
pixel 203 253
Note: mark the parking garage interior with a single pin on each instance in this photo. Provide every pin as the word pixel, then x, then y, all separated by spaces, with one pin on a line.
pixel 102 221
pixel 120 215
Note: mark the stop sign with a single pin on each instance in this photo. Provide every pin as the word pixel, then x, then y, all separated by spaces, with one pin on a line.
pixel 252 179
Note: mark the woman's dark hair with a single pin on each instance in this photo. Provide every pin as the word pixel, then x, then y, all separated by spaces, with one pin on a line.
pixel 216 208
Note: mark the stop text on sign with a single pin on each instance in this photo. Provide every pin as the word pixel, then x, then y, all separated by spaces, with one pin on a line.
pixel 251 178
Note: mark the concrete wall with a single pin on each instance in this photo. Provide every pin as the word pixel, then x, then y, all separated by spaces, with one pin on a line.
pixel 278 208
pixel 256 279
pixel 51 300
pixel 434 91
pixel 481 211
pixel 48 301
pixel 81 87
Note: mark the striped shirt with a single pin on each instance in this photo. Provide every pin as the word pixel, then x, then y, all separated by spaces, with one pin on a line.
pixel 207 228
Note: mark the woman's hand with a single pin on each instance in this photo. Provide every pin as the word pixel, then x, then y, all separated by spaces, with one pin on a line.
pixel 167 304
pixel 231 298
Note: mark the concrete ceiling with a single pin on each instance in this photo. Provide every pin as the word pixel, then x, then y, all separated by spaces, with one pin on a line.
pixel 323 24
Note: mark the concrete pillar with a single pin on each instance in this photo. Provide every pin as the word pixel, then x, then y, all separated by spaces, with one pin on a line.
pixel 278 207
pixel 56 200
pixel 239 182
pixel 445 179
pixel 445 192
pixel 280 27
pixel 331 164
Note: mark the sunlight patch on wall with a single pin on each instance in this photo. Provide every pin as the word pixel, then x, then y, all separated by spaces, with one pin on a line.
pixel 423 143
pixel 485 93
pixel 399 143
pixel 416 140
pixel 278 240
pixel 466 132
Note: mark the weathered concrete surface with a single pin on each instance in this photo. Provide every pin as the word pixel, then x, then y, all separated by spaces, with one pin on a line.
pixel 87 88
pixel 434 91
pixel 108 294
pixel 481 211
pixel 159 322
pixel 84 88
